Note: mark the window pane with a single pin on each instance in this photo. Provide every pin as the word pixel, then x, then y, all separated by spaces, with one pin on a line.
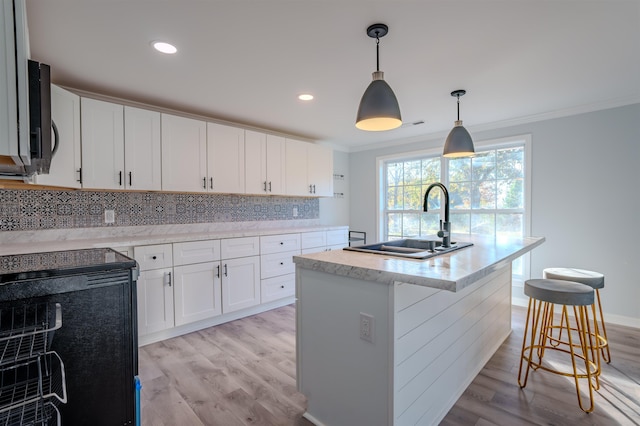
pixel 460 223
pixel 509 224
pixel 484 195
pixel 459 169
pixel 394 198
pixel 412 172
pixel 430 224
pixel 510 163
pixel 510 194
pixel 431 170
pixel 483 224
pixel 411 225
pixel 394 224
pixel 460 195
pixel 394 174
pixel 413 197
pixel 484 166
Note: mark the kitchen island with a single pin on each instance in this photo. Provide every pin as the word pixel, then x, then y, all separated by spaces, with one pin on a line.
pixel 384 340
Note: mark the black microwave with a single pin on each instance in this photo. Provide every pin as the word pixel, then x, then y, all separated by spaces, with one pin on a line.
pixel 42 131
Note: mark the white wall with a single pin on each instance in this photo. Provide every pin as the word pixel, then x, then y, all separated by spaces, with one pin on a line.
pixel 335 211
pixel 585 198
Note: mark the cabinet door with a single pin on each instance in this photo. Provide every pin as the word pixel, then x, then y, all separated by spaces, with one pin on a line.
pixel 102 144
pixel 272 265
pixel 276 172
pixel 279 243
pixel 255 163
pixel 184 154
pixel 197 292
pixel 309 240
pixel 320 170
pixel 190 252
pixel 240 283
pixel 142 149
pixel 338 237
pixel 296 168
pixel 65 164
pixel 225 152
pixel 155 256
pixel 278 287
pixel 155 301
pixel 239 247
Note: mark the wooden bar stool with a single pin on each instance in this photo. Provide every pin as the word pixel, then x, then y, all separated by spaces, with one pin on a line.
pixel 596 281
pixel 543 295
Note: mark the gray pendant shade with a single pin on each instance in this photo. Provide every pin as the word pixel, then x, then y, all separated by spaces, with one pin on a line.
pixel 378 108
pixel 459 142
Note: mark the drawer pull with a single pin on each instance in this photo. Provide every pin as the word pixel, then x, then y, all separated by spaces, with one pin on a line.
pixel 281 286
pixel 281 263
pixel 281 243
pixel 154 257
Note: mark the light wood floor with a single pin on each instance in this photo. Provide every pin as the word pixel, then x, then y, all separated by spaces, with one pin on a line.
pixel 243 373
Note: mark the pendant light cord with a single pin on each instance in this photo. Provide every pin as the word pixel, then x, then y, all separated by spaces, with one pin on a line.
pixel 458 96
pixel 377 52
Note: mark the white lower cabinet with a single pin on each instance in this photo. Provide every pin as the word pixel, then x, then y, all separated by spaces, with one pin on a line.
pixel 240 283
pixel 154 288
pixel 155 301
pixel 197 292
pixel 313 242
pixel 278 287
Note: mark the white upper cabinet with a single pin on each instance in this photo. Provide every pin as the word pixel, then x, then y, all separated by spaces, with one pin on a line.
pixel 102 144
pixel 225 154
pixel 142 149
pixel 264 163
pixel 120 146
pixel 309 169
pixel 184 154
pixel 65 164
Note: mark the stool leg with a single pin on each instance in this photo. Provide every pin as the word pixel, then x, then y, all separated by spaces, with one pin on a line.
pixel 581 325
pixel 607 357
pixel 533 314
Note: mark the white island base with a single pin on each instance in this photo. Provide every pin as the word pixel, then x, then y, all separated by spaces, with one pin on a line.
pixel 428 345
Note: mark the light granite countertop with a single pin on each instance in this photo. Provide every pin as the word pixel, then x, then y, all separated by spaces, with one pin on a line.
pixel 452 271
pixel 130 236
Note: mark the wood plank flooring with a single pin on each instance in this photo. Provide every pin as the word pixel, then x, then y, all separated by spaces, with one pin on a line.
pixel 243 373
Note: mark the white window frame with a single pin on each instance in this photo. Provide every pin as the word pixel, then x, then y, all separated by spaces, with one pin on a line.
pixel 518 280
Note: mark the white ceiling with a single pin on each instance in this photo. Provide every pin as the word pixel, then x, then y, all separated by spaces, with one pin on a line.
pixel 246 61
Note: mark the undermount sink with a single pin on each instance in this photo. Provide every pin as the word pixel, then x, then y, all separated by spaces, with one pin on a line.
pixel 412 248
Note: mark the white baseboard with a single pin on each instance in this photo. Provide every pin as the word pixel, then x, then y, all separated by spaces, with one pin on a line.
pixel 609 318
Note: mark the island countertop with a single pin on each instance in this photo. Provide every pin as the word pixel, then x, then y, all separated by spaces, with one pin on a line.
pixel 451 271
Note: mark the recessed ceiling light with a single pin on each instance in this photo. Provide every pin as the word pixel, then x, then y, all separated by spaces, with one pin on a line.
pixel 305 97
pixel 163 47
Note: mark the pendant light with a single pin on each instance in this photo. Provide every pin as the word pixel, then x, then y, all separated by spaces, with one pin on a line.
pixel 379 108
pixel 459 143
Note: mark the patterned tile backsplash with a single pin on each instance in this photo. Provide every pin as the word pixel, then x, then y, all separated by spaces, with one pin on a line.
pixel 22 210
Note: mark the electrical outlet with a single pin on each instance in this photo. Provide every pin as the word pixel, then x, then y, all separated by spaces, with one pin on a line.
pixel 109 216
pixel 295 211
pixel 366 327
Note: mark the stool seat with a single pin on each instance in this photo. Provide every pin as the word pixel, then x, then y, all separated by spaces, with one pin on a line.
pixel 590 278
pixel 560 292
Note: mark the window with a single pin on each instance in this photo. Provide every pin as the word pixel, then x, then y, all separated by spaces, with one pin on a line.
pixel 488 193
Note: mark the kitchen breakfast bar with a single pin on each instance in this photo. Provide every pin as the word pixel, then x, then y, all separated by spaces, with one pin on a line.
pixel 385 340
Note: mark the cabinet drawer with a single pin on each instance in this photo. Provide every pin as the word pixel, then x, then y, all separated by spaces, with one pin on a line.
pixel 240 247
pixel 192 252
pixel 279 243
pixel 153 257
pixel 337 237
pixel 275 264
pixel 313 239
pixel 278 287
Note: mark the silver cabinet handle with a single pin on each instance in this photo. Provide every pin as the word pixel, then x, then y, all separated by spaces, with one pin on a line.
pixel 265 186
pixel 218 273
pixel 225 270
pixel 169 278
pixel 310 189
pixel 211 183
pixel 269 186
pixel 80 175
pixel 204 182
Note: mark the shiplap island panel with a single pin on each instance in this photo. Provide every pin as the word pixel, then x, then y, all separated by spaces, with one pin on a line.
pixel 436 322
